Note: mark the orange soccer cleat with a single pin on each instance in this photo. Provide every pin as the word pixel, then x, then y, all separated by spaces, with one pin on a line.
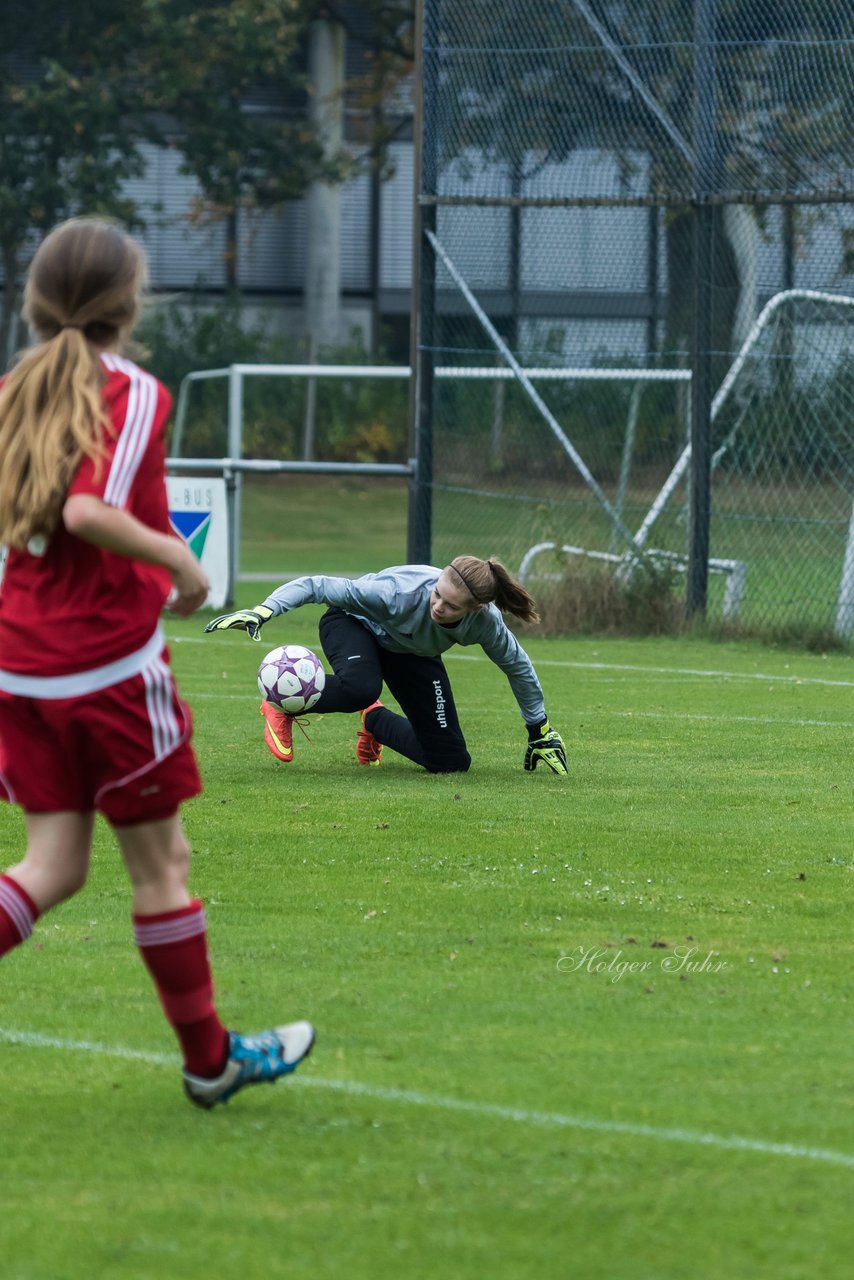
pixel 369 749
pixel 278 733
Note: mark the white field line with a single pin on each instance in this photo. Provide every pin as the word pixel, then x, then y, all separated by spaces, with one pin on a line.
pixel 623 666
pixel 196 695
pixel 412 1097
pixel 692 715
pixel 671 671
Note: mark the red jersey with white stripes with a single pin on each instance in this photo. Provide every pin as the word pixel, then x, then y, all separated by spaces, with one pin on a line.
pixel 69 606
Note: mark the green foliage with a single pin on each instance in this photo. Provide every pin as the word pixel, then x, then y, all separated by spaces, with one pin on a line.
pixel 84 84
pixel 72 103
pixel 358 420
pixel 365 420
pixel 181 336
pixel 538 77
pixel 237 156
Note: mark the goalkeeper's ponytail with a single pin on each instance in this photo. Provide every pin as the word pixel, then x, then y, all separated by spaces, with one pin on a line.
pixel 81 297
pixel 489 582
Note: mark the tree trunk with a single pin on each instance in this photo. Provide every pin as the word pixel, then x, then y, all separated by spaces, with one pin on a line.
pixel 323 199
pixel 742 233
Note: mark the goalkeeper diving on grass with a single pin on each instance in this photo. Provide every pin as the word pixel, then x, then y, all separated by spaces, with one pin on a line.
pixel 392 628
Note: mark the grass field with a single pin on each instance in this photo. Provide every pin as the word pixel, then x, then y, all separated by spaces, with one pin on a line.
pixel 598 1028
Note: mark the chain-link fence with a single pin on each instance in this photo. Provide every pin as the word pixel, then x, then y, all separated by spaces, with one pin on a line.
pixel 640 218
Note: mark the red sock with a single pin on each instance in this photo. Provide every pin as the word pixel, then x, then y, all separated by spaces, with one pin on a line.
pixel 175 951
pixel 18 914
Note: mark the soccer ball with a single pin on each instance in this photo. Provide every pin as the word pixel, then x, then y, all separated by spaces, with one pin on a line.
pixel 292 678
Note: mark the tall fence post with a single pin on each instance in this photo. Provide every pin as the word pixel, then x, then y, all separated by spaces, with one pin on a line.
pixel 701 381
pixel 422 333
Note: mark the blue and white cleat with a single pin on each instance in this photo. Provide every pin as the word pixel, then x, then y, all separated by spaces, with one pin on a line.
pixel 253 1060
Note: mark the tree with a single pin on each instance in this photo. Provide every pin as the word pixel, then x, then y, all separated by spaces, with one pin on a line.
pixel 530 83
pixel 238 113
pixel 70 123
pixel 85 83
pixel 385 30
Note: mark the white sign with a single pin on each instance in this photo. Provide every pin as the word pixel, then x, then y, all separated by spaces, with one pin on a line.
pixel 199 513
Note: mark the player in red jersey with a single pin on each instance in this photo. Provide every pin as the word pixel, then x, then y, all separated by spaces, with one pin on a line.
pixel 90 717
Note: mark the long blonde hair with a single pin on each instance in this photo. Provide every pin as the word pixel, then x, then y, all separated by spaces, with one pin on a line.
pixel 81 296
pixel 488 581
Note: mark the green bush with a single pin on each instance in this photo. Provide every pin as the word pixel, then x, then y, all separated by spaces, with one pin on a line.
pixel 356 420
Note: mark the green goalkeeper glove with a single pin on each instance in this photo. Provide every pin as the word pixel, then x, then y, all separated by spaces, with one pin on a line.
pixel 249 620
pixel 546 744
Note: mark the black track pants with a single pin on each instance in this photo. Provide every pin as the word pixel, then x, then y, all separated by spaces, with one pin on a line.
pixel 429 731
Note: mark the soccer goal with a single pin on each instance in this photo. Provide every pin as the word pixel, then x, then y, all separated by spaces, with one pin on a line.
pixel 783 462
pixel 228 457
pixel 782 468
pixel 782 532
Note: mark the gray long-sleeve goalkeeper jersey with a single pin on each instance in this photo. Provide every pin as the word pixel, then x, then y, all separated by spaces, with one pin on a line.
pixel 395 605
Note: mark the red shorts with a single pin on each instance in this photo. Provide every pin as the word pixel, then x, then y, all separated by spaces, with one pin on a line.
pixel 124 750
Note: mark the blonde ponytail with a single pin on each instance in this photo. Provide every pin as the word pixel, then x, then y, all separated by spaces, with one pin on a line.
pixel 489 582
pixel 50 416
pixel 81 295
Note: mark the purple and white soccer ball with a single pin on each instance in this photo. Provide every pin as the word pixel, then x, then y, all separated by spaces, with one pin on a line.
pixel 292 678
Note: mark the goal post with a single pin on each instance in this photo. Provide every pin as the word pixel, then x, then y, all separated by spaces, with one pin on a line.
pixel 471 382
